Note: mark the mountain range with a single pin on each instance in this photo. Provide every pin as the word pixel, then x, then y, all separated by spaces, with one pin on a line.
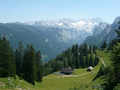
pixel 53 37
pixel 107 34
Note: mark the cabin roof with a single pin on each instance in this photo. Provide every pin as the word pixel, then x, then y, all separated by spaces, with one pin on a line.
pixel 67 70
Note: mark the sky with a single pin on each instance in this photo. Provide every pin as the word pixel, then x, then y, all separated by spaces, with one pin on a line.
pixel 32 10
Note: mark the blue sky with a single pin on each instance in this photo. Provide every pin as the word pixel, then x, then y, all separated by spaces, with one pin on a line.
pixel 31 10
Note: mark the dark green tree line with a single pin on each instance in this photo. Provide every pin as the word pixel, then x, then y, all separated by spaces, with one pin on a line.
pixel 24 62
pixel 76 57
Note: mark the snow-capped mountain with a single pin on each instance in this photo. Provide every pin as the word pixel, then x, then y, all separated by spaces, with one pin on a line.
pixel 70 29
pixel 106 34
pixel 80 25
pixel 52 37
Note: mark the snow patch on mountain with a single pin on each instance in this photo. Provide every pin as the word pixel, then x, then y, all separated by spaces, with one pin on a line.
pixel 80 25
pixel 70 29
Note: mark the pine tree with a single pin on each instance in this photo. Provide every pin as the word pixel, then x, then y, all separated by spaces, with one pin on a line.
pixel 94 49
pixel 114 75
pixel 96 60
pixel 116 62
pixel 80 60
pixel 70 58
pixel 84 61
pixel 104 45
pixel 91 49
pixel 7 61
pixel 87 60
pixel 29 68
pixel 39 67
pixel 91 61
pixel 19 58
pixel 76 56
pixel 66 62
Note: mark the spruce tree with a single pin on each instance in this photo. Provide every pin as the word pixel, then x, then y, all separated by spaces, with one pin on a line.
pixel 7 60
pixel 39 67
pixel 116 62
pixel 91 59
pixel 104 45
pixel 96 60
pixel 116 57
pixel 84 61
pixel 29 68
pixel 87 60
pixel 19 58
pixel 114 75
pixel 76 56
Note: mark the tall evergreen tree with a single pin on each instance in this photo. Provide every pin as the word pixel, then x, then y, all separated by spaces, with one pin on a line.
pixel 29 65
pixel 19 58
pixel 104 45
pixel 7 61
pixel 114 76
pixel 87 60
pixel 91 61
pixel 39 67
pixel 76 56
pixel 96 60
pixel 84 61
pixel 116 63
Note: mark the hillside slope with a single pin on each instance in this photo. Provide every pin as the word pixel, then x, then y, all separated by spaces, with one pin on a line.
pixel 80 79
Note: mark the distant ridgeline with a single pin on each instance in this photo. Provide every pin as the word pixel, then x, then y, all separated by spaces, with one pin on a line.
pixel 76 57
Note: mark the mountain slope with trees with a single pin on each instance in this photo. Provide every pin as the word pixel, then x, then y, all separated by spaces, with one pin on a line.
pixel 50 38
pixel 26 63
pixel 76 57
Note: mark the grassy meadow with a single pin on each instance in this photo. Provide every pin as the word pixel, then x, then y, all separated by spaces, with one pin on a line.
pixel 79 79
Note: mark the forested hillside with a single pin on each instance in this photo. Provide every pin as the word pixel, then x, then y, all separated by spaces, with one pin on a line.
pixel 75 57
pixel 24 62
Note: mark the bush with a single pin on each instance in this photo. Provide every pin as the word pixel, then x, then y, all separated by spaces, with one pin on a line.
pixel 117 87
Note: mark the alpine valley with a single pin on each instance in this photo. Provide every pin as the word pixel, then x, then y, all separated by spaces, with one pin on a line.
pixel 53 37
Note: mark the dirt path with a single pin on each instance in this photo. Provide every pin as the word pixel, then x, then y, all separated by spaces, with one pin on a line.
pixel 84 74
pixel 101 59
pixel 103 62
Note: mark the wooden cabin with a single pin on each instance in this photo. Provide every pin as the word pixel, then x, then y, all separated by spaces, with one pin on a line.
pixel 67 71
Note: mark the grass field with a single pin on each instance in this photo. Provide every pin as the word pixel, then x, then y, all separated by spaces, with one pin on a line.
pixel 79 79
